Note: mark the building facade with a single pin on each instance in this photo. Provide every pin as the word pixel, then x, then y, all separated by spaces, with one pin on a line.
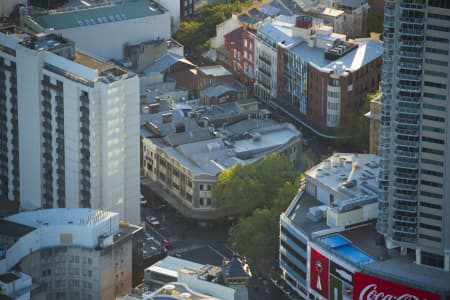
pixel 70 125
pixel 182 159
pixel 414 200
pixel 71 253
pixel 240 45
pixel 330 248
pixel 91 28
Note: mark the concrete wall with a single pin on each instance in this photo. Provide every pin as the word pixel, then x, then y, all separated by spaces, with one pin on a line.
pixel 107 40
pixel 7 6
pixel 222 29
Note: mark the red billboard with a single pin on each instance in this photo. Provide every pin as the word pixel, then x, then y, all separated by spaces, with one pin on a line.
pixel 319 265
pixel 367 287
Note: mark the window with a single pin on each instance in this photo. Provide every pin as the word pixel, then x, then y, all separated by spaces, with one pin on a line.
pixel 433 129
pixel 431 195
pixel 434 96
pixel 437 39
pixel 433 151
pixel 435 73
pixel 430 216
pixel 435 84
pixel 437 51
pixel 433 118
pixel 438 28
pixel 432 162
pixel 430 227
pixel 431 238
pixel 432 140
pixel 433 184
pixel 436 62
pixel 437 16
pixel 432 173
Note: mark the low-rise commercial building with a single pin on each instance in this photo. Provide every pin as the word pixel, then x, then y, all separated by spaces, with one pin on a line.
pixel 313 74
pixel 183 159
pixel 70 253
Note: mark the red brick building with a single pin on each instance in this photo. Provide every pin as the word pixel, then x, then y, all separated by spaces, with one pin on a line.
pixel 240 45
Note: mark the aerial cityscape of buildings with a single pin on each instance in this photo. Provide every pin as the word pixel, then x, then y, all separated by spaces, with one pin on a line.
pixel 114 135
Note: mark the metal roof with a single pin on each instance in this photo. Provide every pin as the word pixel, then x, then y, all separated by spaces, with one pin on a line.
pixel 98 15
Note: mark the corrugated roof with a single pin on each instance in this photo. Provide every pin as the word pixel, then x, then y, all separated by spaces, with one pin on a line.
pixel 98 15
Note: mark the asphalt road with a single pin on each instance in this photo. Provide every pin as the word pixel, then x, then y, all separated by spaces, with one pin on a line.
pixel 205 245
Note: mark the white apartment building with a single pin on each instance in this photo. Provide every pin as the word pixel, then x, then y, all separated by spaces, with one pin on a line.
pixel 103 29
pixel 71 253
pixel 414 135
pixel 70 128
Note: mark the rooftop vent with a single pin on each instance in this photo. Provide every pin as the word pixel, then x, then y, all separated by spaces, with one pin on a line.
pixel 166 118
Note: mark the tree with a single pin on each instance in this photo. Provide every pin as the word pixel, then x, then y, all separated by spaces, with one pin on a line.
pixel 256 236
pixel 353 133
pixel 375 20
pixel 241 189
pixel 194 34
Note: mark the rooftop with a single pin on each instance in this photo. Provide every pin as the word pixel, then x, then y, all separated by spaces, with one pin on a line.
pixel 165 62
pixel 329 11
pixel 218 90
pixel 8 277
pixel 367 51
pixel 350 175
pixel 175 264
pixel 61 216
pixel 215 71
pixel 351 3
pixel 113 11
pixel 177 290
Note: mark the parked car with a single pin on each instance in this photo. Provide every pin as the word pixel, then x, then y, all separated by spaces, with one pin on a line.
pixel 153 221
pixel 167 244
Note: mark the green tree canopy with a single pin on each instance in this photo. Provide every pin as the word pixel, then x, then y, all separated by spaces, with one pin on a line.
pixel 241 189
pixel 194 34
pixel 256 236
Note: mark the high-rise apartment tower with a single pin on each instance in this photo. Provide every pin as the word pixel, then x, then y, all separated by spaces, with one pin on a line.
pixel 415 130
pixel 69 128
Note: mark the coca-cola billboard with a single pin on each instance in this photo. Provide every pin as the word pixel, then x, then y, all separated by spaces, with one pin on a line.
pixel 319 272
pixel 367 287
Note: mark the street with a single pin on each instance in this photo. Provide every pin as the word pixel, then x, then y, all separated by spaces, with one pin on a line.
pixel 202 244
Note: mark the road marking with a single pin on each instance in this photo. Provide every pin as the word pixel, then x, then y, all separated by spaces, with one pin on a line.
pixel 186 249
pixel 217 251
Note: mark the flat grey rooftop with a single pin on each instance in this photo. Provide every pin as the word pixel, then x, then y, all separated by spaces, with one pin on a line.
pixel 298 215
pixel 367 51
pixel 214 71
pixel 402 269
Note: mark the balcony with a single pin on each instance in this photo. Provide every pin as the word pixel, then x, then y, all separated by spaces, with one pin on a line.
pixel 402 197
pixel 411 66
pixel 404 239
pixel 406 187
pixel 407 208
pixel 405 219
pixel 408 99
pixel 409 87
pixel 408 110
pixel 411 20
pixel 407 165
pixel 411 31
pixel 404 229
pixel 412 6
pixel 407 154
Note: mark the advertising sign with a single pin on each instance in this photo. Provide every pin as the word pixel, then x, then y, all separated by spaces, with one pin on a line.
pixel 367 287
pixel 319 273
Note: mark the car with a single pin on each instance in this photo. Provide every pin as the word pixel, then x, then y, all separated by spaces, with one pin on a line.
pixel 167 244
pixel 153 221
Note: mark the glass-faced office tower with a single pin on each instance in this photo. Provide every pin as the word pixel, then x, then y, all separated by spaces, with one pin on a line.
pixel 415 132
